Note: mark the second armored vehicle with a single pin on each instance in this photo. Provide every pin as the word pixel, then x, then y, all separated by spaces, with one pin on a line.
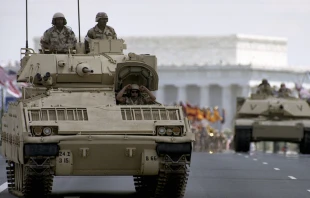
pixel 269 118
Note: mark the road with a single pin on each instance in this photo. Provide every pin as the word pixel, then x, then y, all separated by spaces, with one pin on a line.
pixel 220 175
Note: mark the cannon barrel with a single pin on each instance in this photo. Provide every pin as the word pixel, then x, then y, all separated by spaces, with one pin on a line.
pixel 87 70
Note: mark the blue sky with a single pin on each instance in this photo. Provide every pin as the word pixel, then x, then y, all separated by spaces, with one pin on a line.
pixel 283 18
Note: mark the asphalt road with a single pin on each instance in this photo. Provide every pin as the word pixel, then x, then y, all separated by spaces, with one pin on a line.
pixel 222 175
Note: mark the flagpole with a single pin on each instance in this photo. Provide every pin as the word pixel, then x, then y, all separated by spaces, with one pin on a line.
pixel 2 111
pixel 3 102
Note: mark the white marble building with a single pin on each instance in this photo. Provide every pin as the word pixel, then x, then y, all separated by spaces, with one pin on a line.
pixel 214 70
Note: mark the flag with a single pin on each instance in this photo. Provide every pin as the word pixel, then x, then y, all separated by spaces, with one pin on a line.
pixel 13 89
pixel 8 82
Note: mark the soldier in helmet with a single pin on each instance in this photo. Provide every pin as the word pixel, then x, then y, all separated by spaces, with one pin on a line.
pixel 101 30
pixel 58 38
pixel 264 88
pixel 283 91
pixel 135 97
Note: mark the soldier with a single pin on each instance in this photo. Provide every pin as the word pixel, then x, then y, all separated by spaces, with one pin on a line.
pixel 264 88
pixel 203 123
pixel 222 142
pixel 135 97
pixel 302 92
pixel 58 38
pixel 101 30
pixel 283 91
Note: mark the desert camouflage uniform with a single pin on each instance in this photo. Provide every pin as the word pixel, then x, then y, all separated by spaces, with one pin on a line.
pixel 97 33
pixel 59 41
pixel 138 101
pixel 265 90
pixel 284 92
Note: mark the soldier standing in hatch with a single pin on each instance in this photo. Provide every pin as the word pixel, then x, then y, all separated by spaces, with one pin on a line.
pixel 58 38
pixel 264 88
pixel 135 97
pixel 283 91
pixel 101 30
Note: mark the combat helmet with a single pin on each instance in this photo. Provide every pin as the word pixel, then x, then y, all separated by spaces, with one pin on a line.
pixel 101 15
pixel 59 15
pixel 135 87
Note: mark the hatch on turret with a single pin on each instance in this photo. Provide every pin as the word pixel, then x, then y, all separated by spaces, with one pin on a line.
pixel 132 72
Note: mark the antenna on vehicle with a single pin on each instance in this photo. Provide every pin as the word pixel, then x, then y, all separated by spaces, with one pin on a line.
pixel 79 20
pixel 26 24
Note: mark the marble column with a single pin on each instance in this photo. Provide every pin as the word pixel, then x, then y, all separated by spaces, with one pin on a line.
pixel 182 97
pixel 204 96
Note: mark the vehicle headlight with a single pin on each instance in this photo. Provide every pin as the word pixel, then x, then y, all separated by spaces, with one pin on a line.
pixel 37 131
pixel 43 130
pixel 161 130
pixel 169 131
pixel 47 131
pixel 176 131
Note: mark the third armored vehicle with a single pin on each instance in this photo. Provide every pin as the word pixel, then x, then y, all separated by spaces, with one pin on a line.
pixel 68 123
pixel 269 118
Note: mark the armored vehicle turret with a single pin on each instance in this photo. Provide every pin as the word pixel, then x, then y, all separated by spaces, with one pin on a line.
pixel 272 118
pixel 69 123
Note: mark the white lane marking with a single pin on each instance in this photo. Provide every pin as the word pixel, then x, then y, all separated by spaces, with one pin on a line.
pixel 246 156
pixel 3 186
pixel 308 190
pixel 276 168
pixel 255 159
pixel 71 197
pixel 265 163
pixel 291 177
pixel 239 153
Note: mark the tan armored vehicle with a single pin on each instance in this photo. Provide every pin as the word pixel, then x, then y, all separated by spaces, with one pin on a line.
pixel 269 118
pixel 69 124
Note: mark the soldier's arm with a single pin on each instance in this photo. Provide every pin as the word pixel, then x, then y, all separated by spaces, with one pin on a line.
pixel 120 94
pixel 90 34
pixel 151 97
pixel 114 35
pixel 86 43
pixel 71 41
pixel 45 40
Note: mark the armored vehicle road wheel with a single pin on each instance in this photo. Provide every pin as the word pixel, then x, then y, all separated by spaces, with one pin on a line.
pixel 171 180
pixel 242 140
pixel 25 181
pixel 304 145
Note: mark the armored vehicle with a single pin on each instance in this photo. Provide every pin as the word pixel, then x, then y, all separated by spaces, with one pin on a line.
pixel 68 123
pixel 269 118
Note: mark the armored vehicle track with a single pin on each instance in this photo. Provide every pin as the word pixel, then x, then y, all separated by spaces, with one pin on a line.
pixel 170 182
pixel 29 180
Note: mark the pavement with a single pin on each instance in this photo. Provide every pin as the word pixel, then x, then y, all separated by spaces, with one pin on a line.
pixel 219 175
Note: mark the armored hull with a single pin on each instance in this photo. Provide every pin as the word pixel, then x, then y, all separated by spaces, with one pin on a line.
pixel 70 124
pixel 272 119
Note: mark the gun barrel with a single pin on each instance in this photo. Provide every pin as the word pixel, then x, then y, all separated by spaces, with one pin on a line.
pixel 87 70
